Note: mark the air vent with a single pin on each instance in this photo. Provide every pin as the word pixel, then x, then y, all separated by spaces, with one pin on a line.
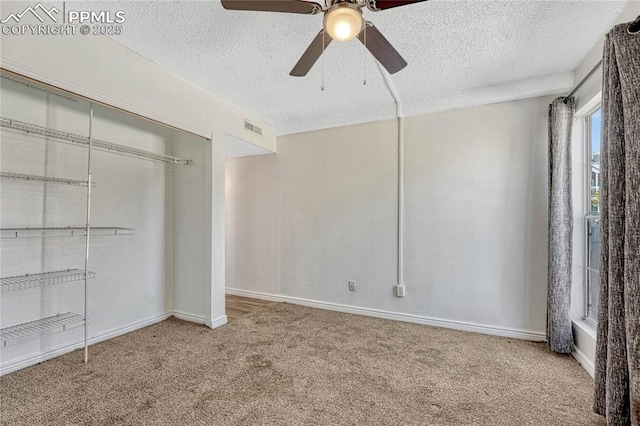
pixel 252 128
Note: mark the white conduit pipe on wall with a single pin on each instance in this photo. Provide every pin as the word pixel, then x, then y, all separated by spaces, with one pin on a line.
pixel 399 288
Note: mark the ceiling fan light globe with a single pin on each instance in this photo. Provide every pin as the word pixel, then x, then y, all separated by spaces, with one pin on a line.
pixel 343 23
pixel 343 31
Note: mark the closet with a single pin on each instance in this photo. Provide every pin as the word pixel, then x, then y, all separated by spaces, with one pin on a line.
pixel 105 222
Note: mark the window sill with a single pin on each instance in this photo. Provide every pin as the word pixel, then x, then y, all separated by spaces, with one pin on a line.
pixel 584 350
pixel 587 327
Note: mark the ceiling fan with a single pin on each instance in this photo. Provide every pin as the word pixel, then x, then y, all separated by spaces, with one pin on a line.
pixel 343 21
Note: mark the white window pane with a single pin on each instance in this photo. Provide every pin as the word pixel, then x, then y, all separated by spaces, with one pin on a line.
pixel 594 158
pixel 593 244
pixel 594 287
pixel 593 267
pixel 593 209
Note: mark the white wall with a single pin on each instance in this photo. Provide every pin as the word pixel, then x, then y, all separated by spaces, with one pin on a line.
pixel 191 227
pixel 323 211
pixel 253 223
pixel 140 278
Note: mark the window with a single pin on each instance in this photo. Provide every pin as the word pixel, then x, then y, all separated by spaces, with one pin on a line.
pixel 592 218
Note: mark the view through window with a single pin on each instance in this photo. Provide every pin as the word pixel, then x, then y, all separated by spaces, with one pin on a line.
pixel 593 215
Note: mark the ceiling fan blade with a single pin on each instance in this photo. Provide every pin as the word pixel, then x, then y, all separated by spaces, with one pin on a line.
pixel 285 6
pixel 311 55
pixel 378 5
pixel 381 49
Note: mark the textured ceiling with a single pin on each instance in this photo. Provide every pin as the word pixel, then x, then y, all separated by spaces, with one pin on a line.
pixel 460 53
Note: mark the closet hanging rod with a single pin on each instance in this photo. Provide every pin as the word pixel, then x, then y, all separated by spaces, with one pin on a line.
pixel 64 231
pixel 83 140
pixel 48 179
pixel 584 80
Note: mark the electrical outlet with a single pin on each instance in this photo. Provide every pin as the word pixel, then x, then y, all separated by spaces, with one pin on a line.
pixel 399 290
pixel 352 285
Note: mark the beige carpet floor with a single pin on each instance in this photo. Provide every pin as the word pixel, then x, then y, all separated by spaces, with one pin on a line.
pixel 286 364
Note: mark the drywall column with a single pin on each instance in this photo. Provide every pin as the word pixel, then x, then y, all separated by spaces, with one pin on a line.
pixel 216 312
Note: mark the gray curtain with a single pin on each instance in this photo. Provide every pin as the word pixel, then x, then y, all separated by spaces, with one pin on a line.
pixel 617 377
pixel 559 334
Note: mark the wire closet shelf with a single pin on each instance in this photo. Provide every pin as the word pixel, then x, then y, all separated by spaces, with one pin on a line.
pixel 35 329
pixel 43 279
pixel 39 328
pixel 30 128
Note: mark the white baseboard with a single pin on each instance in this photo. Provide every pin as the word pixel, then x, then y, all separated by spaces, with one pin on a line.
pixel 396 316
pixel 186 316
pixel 220 321
pixel 584 361
pixel 29 360
pixel 199 319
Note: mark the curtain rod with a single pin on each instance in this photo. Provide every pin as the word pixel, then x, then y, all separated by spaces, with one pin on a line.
pixel 584 80
pixel 634 28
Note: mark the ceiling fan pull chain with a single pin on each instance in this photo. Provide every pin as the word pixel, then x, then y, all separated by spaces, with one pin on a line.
pixel 323 55
pixel 364 55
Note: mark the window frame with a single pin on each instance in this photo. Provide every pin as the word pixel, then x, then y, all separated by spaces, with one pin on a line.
pixel 588 214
